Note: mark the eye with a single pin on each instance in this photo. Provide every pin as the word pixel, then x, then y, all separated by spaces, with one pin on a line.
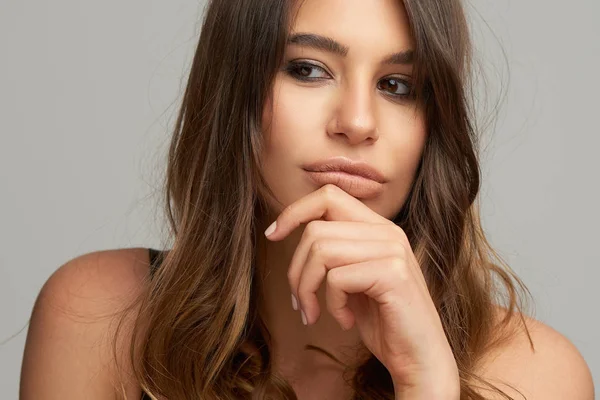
pixel 394 87
pixel 302 71
pixel 398 87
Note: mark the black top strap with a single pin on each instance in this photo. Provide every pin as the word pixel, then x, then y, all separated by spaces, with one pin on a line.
pixel 156 257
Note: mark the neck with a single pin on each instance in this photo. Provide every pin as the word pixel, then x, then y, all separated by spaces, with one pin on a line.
pixel 298 349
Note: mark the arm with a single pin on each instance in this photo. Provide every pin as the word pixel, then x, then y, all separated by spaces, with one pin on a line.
pixel 68 353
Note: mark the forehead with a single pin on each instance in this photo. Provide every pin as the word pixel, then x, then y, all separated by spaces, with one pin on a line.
pixel 356 23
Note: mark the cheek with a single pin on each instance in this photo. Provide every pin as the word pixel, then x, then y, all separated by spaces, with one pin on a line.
pixel 410 143
pixel 291 121
pixel 405 149
pixel 287 123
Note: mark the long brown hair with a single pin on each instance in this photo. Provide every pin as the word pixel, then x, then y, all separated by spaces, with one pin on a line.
pixel 198 334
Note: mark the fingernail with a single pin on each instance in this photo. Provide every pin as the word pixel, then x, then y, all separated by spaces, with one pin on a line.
pixel 271 229
pixel 303 317
pixel 294 302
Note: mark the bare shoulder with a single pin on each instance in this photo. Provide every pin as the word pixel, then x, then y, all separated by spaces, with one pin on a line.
pixel 553 369
pixel 68 352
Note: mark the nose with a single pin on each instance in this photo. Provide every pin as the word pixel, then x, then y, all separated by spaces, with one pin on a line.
pixel 355 119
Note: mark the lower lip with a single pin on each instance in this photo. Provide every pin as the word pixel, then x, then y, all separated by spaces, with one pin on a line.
pixel 355 185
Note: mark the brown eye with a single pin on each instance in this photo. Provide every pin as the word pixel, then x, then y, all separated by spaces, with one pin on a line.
pixel 303 71
pixel 395 84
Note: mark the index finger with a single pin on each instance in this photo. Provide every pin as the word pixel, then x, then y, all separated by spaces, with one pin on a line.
pixel 329 203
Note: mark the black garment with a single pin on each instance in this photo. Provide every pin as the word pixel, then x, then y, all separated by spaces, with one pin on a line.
pixel 156 257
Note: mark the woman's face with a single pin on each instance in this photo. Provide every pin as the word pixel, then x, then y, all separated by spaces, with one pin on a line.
pixel 353 105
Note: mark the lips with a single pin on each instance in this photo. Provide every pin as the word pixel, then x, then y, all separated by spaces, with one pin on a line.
pixel 357 178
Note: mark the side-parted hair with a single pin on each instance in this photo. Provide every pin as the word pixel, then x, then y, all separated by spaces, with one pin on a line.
pixel 197 332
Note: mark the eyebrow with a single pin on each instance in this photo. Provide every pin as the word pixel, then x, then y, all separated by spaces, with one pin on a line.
pixel 328 44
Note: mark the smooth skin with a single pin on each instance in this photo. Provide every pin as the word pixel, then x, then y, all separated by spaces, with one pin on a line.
pixel 351 106
pixel 326 104
pixel 68 358
pixel 375 284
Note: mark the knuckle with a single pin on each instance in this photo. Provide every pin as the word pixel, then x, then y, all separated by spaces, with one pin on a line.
pixel 398 267
pixel 317 247
pixel 302 292
pixel 332 309
pixel 332 277
pixel 311 228
pixel 287 210
pixel 399 248
pixel 399 231
pixel 330 190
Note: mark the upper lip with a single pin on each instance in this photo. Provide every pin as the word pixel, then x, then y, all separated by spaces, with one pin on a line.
pixel 347 165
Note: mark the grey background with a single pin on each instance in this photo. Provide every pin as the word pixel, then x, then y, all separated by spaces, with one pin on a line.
pixel 89 91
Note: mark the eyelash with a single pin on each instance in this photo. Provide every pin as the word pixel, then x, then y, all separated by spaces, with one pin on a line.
pixel 292 66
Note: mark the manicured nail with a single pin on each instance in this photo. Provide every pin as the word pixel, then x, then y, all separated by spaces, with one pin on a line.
pixel 294 302
pixel 271 229
pixel 303 317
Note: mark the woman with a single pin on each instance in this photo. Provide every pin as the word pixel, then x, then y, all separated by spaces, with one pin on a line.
pixel 343 132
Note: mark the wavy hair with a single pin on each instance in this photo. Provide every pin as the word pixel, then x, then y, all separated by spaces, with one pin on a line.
pixel 207 340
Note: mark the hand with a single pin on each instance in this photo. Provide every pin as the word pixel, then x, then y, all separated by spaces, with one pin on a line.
pixel 373 280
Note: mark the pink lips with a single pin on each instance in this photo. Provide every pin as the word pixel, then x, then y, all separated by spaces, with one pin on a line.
pixel 357 178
